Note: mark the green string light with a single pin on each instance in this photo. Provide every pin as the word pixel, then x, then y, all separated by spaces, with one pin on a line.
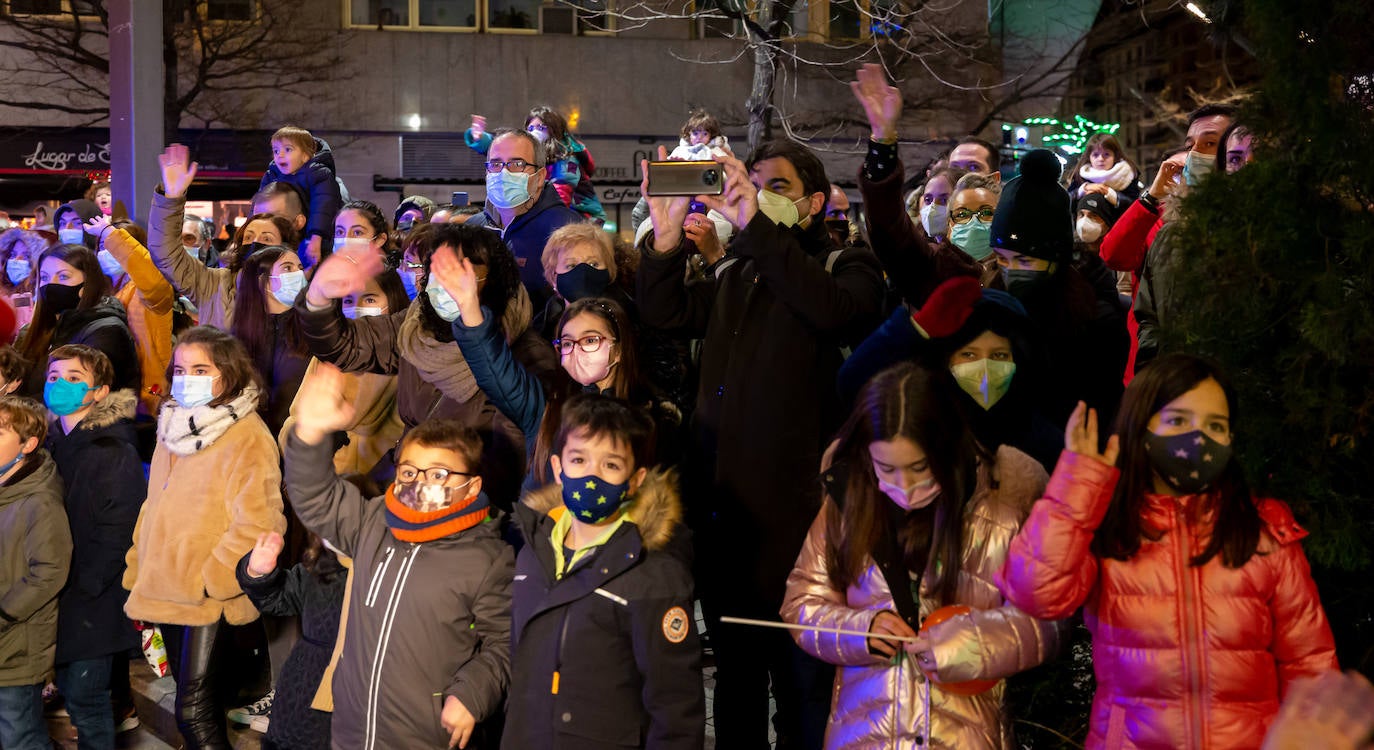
pixel 1071 135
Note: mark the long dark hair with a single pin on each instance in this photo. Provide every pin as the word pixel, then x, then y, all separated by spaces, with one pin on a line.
pixel 627 383
pixel 252 322
pixel 484 248
pixel 1107 141
pixel 1237 531
pixel 233 256
pixel 96 287
pixel 374 216
pixel 557 147
pixel 915 403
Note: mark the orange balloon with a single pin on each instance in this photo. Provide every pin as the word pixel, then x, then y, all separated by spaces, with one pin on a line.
pixel 971 687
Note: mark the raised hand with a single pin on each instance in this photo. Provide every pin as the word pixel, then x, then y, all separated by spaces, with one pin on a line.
pixel 1166 180
pixel 99 224
pixel 740 200
pixel 312 250
pixel 458 278
pixel 457 721
pixel 478 127
pixel 343 273
pixel 882 103
pixel 264 558
pixel 667 212
pixel 178 171
pixel 321 406
pixel 702 232
pixel 1332 710
pixel 1080 436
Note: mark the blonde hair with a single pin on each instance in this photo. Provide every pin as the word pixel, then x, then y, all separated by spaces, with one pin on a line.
pixel 298 137
pixel 976 181
pixel 569 236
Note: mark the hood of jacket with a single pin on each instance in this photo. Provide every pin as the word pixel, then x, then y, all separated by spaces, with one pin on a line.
pixel 323 154
pixel 38 471
pixel 656 508
pixel 82 207
pixel 418 202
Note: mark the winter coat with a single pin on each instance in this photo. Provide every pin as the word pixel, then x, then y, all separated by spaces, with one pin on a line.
pixel 376 427
pixel 1123 249
pixel 521 396
pixel 615 634
pixel 570 176
pixel 774 322
pixel 203 512
pixel 526 236
pixel 282 371
pixel 878 704
pixel 317 599
pixel 99 464
pixel 35 552
pixel 318 181
pixel 211 290
pixel 370 345
pixel 913 264
pixel 1121 181
pixel 426 621
pixel 148 298
pixel 102 326
pixel 1186 656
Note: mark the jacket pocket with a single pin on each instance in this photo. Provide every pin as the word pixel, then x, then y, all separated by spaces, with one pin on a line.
pixel 176 576
pixel 596 721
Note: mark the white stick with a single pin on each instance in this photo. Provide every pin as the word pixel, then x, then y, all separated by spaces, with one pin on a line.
pixel 818 629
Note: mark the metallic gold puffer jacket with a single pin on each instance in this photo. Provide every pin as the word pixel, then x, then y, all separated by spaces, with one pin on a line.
pixel 876 704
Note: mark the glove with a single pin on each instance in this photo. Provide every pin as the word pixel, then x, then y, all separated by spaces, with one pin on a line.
pixel 947 308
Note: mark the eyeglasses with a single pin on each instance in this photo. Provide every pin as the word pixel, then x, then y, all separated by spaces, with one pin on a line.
pixel 435 474
pixel 588 344
pixel 964 216
pixel 514 165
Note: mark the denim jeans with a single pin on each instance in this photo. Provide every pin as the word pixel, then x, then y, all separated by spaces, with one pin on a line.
pixel 85 685
pixel 21 718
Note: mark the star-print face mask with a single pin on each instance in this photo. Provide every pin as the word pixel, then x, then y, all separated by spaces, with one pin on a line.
pixel 1190 462
pixel 592 499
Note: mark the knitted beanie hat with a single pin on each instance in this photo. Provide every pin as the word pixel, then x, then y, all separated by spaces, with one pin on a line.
pixel 1034 215
pixel 1099 206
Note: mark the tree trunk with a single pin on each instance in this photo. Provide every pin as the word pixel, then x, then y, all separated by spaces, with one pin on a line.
pixel 760 103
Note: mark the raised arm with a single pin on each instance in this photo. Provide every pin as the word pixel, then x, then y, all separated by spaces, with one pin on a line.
pixel 362 345
pixel 188 275
pixel 326 504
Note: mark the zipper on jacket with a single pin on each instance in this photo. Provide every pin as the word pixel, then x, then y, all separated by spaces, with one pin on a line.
pixel 383 641
pixel 1193 666
pixel 558 654
pixel 377 577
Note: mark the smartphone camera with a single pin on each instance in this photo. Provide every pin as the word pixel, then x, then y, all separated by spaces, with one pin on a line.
pixel 710 177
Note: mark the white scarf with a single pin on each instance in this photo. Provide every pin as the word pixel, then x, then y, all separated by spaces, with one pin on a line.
pixel 1119 177
pixel 189 430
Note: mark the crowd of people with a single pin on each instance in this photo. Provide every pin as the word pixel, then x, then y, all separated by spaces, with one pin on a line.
pixel 494 477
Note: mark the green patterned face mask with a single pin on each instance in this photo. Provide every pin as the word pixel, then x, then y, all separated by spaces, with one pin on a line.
pixel 986 380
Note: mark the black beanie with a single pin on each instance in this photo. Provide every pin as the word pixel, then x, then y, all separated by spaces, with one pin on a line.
pixel 419 202
pixel 1099 206
pixel 1034 215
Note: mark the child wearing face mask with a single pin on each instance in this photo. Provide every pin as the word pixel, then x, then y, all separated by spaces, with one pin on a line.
pixel 917 519
pixel 426 660
pixel 1196 591
pixel 1103 169
pixel 570 165
pixel 214 488
pixel 602 630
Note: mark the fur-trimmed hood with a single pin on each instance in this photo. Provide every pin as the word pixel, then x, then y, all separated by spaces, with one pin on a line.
pixel 119 405
pixel 655 509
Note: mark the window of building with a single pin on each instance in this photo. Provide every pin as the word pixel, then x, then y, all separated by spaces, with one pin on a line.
pixel 448 13
pixel 514 16
pixel 229 10
pixel 51 7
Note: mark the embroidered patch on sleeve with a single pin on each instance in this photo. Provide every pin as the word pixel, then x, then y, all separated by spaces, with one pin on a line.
pixel 675 625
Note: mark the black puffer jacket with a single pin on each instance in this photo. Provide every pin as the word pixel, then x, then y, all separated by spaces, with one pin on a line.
pixel 105 489
pixel 103 326
pixel 614 635
pixel 321 186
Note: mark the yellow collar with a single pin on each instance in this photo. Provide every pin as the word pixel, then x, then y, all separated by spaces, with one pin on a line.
pixel 563 523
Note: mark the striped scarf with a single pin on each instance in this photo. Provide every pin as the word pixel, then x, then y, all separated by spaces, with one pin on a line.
pixel 410 525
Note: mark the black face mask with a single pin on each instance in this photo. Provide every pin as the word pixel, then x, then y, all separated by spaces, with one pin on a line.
pixel 1022 282
pixel 60 297
pixel 1190 462
pixel 839 227
pixel 582 281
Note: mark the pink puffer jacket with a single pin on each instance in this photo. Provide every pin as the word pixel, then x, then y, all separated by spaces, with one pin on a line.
pixel 1187 657
pixel 877 705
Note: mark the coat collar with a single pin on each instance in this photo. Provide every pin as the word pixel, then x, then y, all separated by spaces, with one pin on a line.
pixel 656 509
pixel 117 406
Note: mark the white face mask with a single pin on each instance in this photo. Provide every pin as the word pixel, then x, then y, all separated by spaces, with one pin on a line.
pixel 289 285
pixel 935 219
pixel 357 243
pixel 918 495
pixel 781 210
pixel 353 313
pixel 192 250
pixel 1088 229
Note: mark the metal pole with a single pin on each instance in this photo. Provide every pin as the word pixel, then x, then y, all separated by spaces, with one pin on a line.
pixel 136 88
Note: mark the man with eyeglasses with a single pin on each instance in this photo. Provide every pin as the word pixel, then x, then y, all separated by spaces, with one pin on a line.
pixel 520 208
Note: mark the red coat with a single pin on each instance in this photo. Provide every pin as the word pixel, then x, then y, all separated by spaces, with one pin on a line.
pixel 1124 249
pixel 1185 656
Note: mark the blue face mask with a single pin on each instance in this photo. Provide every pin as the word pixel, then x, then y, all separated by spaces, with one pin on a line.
pixel 65 397
pixel 507 189
pixel 973 237
pixel 289 285
pixel 71 236
pixel 191 391
pixel 443 303
pixel 15 462
pixel 592 499
pixel 18 270
pixel 1197 167
pixel 407 281
pixel 109 265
